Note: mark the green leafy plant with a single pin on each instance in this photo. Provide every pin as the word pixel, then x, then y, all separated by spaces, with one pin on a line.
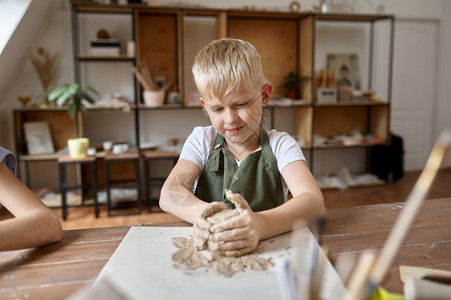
pixel 73 94
pixel 293 81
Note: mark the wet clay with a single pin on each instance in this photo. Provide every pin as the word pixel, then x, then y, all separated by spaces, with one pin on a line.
pixel 200 251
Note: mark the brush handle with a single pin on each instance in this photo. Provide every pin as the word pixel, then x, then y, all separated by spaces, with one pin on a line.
pixel 410 210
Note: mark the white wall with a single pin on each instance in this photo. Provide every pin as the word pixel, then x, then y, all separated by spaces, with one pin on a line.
pixel 47 24
pixel 11 12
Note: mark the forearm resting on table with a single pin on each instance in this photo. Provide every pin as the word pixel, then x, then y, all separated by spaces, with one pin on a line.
pixel 30 230
pixel 305 207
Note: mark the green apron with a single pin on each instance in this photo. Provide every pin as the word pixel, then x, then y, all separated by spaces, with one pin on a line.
pixel 257 178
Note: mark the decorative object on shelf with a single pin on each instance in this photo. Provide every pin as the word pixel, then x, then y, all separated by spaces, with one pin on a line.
pixel 91 151
pixel 120 148
pixel 345 94
pixel 24 97
pixel 293 84
pixel 326 95
pixel 38 138
pixel 346 68
pixel 325 78
pixel 153 94
pixel 24 100
pixel 324 5
pixel 325 86
pixel 104 44
pixel 131 49
pixel 107 145
pixel 295 6
pixel 45 65
pixel 173 96
pixel 102 34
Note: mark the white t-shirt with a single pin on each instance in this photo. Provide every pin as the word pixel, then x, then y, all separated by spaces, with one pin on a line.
pixel 9 159
pixel 199 145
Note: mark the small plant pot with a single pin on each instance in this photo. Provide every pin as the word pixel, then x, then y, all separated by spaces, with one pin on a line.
pixel 293 94
pixel 78 147
pixel 154 98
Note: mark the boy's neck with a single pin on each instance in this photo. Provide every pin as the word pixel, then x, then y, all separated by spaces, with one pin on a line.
pixel 241 151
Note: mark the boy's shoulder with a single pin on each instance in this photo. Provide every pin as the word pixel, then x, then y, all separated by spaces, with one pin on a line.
pixel 204 132
pixel 203 136
pixel 277 135
pixel 204 129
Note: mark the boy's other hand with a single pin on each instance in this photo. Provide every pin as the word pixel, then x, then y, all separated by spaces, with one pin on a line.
pixel 238 235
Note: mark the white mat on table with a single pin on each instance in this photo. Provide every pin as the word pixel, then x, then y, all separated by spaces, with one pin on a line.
pixel 142 268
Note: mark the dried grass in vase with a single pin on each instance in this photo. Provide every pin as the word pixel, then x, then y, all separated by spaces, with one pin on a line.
pixel 45 65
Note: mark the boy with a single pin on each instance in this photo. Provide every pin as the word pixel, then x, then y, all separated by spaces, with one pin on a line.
pixel 235 153
pixel 34 224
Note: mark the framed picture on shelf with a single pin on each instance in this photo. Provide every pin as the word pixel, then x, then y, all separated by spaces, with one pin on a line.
pixel 346 66
pixel 38 138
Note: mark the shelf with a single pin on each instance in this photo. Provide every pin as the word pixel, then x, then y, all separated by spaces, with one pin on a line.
pixel 351 103
pixel 287 103
pixel 37 157
pixel 350 17
pixel 96 7
pixel 343 146
pixel 39 108
pixel 168 107
pixel 110 109
pixel 107 58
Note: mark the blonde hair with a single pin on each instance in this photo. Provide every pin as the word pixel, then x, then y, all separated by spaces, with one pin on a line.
pixel 227 64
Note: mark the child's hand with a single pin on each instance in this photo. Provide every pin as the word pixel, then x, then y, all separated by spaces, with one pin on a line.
pixel 238 235
pixel 201 228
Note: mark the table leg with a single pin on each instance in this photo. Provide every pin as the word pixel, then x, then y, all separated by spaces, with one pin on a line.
pixel 147 183
pixel 62 171
pixel 107 186
pixel 138 186
pixel 94 188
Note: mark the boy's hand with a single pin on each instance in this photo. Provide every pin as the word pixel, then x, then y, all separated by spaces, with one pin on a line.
pixel 201 228
pixel 239 234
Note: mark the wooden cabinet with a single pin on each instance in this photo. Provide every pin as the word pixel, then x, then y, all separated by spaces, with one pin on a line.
pixel 168 38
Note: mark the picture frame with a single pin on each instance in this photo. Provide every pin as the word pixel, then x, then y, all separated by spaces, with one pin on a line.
pixel 346 66
pixel 38 138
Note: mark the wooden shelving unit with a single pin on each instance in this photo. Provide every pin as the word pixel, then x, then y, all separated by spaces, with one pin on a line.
pixel 167 39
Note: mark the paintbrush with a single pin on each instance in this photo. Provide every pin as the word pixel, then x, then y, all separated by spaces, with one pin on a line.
pixel 409 212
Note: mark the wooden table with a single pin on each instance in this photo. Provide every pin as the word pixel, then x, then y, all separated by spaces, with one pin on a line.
pixel 55 271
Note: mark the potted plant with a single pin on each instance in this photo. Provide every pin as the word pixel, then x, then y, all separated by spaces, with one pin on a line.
pixel 293 84
pixel 74 94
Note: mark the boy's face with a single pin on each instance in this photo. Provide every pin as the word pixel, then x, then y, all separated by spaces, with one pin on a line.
pixel 237 117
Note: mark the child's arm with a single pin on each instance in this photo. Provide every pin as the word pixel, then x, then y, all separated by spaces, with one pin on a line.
pixel 34 224
pixel 244 231
pixel 307 202
pixel 176 197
